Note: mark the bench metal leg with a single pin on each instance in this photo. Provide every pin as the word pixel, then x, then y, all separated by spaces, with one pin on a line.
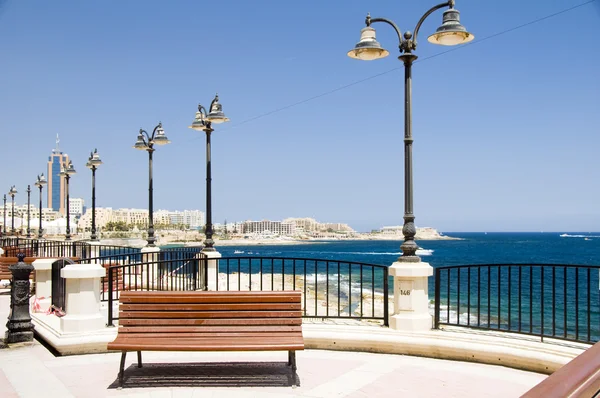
pixel 292 359
pixel 139 359
pixel 122 369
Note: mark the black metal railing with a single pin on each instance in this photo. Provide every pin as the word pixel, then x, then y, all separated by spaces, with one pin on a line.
pixel 545 300
pixel 150 274
pixel 50 248
pixel 331 289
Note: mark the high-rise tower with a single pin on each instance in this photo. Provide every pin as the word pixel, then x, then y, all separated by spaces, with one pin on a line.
pixel 56 184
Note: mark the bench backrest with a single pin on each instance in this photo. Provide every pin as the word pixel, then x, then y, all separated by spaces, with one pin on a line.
pixel 167 314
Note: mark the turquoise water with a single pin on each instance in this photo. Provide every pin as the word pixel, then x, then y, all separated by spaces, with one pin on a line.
pixel 474 248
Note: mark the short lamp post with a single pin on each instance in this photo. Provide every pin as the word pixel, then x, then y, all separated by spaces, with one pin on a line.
pixel 146 142
pixel 12 193
pixel 203 122
pixel 93 162
pixel 28 211
pixel 450 33
pixel 41 181
pixel 67 171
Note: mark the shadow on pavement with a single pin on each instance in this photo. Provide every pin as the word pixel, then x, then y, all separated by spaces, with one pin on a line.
pixel 215 374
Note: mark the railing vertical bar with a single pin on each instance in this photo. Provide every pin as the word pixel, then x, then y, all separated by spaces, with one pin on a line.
pixel 239 271
pixel 227 267
pixel 283 274
pixel 305 284
pixel 499 295
pixel 553 301
pixel 576 303
pixel 565 302
pixel 110 297
pixel 530 299
pixel 458 297
pixel 316 287
pixel 520 296
pixel 294 275
pixel 469 296
pixel 489 297
pixel 542 284
pixel 361 291
pixel 386 298
pixel 327 288
pixel 273 276
pixel 262 276
pixel 249 272
pixel 448 297
pixel 339 291
pixel 373 291
pixel 589 307
pixel 509 296
pixel 436 311
pixel 349 289
pixel 478 296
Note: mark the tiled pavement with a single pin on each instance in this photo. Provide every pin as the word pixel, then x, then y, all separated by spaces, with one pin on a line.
pixel 32 371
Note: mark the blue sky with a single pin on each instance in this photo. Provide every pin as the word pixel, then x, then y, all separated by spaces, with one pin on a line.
pixel 506 129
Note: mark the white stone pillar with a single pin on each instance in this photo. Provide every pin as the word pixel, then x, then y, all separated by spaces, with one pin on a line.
pixel 150 256
pixel 82 303
pixel 94 249
pixel 43 282
pixel 411 299
pixel 212 261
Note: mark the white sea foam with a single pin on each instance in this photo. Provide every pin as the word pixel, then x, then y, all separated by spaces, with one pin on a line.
pixel 579 236
pixel 424 252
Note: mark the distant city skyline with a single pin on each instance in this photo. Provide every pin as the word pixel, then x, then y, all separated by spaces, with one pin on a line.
pixel 506 135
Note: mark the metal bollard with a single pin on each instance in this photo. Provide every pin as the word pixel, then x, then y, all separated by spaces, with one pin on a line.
pixel 20 328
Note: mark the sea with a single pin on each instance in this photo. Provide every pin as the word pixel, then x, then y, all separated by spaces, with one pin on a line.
pixel 579 248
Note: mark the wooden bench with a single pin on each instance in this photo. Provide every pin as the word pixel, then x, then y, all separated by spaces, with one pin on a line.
pixel 6 262
pixel 209 321
pixel 12 251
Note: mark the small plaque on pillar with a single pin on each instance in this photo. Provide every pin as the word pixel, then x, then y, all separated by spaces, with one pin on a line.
pixel 404 292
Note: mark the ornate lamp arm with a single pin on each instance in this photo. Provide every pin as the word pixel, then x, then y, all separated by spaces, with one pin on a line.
pixel 144 132
pixel 370 20
pixel 449 4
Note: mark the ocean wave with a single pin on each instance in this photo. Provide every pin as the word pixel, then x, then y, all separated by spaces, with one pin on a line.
pixel 579 236
pixel 421 252
pixel 424 252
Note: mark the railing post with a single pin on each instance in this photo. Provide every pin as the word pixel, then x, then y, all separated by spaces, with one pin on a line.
pixel 110 296
pixel 411 299
pixel 436 311
pixel 19 326
pixel 82 304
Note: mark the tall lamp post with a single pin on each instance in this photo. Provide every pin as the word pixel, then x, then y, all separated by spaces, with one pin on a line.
pixel 4 224
pixel 12 193
pixel 146 142
pixel 203 122
pixel 41 181
pixel 93 162
pixel 28 211
pixel 450 33
pixel 67 171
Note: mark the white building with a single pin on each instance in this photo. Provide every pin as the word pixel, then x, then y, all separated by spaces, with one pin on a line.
pixel 267 227
pixel 76 207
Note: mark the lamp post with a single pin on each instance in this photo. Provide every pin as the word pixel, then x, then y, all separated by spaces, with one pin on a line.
pixel 67 171
pixel 450 33
pixel 203 122
pixel 4 224
pixel 146 142
pixel 28 210
pixel 93 163
pixel 12 193
pixel 41 181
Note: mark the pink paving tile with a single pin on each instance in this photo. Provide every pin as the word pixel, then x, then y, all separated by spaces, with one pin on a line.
pixel 6 389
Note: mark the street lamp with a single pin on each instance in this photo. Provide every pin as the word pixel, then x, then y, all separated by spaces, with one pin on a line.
pixel 67 171
pixel 41 181
pixel 4 224
pixel 450 33
pixel 147 143
pixel 28 210
pixel 12 193
pixel 203 122
pixel 93 163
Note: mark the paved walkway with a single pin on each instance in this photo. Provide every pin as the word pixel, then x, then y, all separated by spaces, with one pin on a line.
pixel 32 371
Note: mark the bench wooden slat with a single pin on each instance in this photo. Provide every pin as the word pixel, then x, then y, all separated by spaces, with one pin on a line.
pixel 208 297
pixel 209 345
pixel 208 314
pixel 211 307
pixel 207 322
pixel 209 329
